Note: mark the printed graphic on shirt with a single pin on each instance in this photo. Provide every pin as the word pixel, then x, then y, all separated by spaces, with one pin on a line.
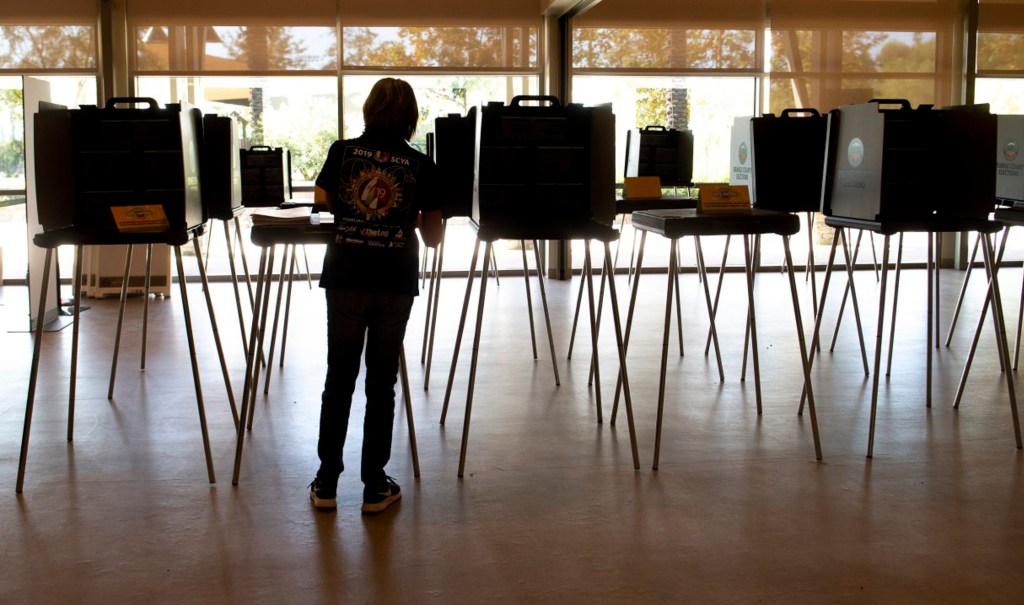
pixel 375 190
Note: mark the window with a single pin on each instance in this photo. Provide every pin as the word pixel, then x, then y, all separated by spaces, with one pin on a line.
pixel 55 41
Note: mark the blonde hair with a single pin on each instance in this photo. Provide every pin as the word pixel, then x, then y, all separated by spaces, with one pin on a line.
pixel 391 105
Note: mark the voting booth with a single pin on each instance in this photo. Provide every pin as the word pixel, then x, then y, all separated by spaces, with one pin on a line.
pixel 887 160
pixel 119 168
pixel 663 152
pixel 266 176
pixel 787 156
pixel 547 162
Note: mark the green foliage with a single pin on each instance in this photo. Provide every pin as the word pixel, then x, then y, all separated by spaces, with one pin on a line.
pixel 652 106
pixel 309 151
pixel 12 151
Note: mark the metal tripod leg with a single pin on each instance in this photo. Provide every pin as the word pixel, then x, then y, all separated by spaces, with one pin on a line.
pixel 712 310
pixel 817 317
pixel 851 289
pixel 595 360
pixel 977 332
pixel 672 268
pixel 34 373
pixel 407 398
pixel 878 346
pixel 473 362
pixel 629 322
pixel 77 293
pixel 216 332
pixel 803 349
pixel 963 290
pixel 120 319
pixel 289 252
pixel 145 304
pixel 462 326
pixel 251 367
pixel 234 285
pixel 547 314
pixel 529 298
pixel 895 302
pixel 434 307
pixel 266 275
pixel 752 317
pixel 621 347
pixel 194 360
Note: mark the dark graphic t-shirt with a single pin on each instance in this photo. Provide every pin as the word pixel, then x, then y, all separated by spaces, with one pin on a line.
pixel 378 185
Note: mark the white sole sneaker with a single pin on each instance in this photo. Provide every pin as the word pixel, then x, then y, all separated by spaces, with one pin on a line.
pixel 376 507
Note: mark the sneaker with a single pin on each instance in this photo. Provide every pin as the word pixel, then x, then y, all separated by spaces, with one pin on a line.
pixel 322 497
pixel 376 500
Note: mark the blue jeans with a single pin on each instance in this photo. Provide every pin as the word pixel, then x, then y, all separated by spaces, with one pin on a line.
pixel 379 319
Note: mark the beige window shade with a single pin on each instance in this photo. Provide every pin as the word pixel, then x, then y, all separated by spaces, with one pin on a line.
pixel 397 13
pixel 442 35
pixel 231 12
pixel 1001 37
pixel 826 53
pixel 869 15
pixel 261 37
pixel 1001 16
pixel 50 12
pixel 57 35
pixel 658 35
pixel 674 14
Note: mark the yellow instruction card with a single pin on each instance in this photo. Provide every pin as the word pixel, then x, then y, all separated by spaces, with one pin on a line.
pixel 641 187
pixel 723 198
pixel 144 218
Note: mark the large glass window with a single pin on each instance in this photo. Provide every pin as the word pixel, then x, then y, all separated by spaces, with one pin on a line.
pixel 297 113
pixel 676 66
pixel 70 91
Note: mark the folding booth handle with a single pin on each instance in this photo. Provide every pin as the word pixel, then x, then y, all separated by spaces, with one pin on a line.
pixel 518 99
pixel 261 148
pixel 793 111
pixel 113 101
pixel 655 129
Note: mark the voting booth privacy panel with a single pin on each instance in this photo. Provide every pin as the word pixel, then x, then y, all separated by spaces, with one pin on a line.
pixel 548 163
pixel 887 160
pixel 118 169
pixel 452 149
pixel 663 152
pixel 1010 161
pixel 220 173
pixel 787 155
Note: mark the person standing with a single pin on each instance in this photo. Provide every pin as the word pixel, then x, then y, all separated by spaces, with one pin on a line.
pixel 380 191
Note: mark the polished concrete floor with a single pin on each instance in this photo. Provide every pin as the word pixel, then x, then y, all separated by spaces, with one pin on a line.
pixel 550 508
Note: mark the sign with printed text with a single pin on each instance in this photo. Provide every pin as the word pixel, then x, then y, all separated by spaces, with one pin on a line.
pixel 723 198
pixel 144 218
